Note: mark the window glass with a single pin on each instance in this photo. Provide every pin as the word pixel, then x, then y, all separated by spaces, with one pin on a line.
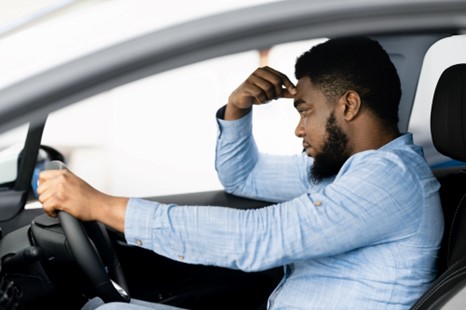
pixel 157 136
pixel 11 145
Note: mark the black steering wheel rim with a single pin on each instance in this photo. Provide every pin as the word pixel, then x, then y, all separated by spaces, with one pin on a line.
pixel 87 255
pixel 89 260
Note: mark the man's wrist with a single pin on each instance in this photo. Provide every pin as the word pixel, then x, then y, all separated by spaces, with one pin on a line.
pixel 228 113
pixel 112 211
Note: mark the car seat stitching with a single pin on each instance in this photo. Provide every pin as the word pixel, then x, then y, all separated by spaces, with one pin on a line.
pixel 453 224
pixel 439 286
pixel 443 281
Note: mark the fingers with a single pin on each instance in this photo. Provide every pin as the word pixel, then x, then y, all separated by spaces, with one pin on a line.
pixel 263 85
pixel 47 192
pixel 52 190
pixel 49 178
pixel 279 80
pixel 51 207
pixel 268 84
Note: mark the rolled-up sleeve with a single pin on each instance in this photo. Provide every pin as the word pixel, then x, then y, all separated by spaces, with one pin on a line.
pixel 344 215
pixel 245 172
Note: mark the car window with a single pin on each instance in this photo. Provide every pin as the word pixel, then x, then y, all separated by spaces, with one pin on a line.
pixel 11 145
pixel 157 136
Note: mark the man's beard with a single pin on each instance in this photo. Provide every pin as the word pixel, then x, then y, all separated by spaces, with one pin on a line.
pixel 334 153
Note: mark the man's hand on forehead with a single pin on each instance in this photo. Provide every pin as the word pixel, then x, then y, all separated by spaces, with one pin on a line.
pixel 274 84
pixel 262 86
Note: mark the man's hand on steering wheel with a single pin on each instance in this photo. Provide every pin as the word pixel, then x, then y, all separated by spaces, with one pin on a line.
pixel 65 195
pixel 62 190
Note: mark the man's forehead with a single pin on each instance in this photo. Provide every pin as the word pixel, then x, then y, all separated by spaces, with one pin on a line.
pixel 305 85
pixel 305 90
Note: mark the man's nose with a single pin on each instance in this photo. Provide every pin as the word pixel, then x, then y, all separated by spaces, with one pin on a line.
pixel 299 131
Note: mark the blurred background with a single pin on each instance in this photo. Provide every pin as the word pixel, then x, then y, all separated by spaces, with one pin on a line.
pixel 155 136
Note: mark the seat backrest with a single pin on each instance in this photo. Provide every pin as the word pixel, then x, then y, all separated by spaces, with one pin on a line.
pixel 448 127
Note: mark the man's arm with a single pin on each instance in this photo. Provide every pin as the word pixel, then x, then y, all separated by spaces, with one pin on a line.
pixel 241 168
pixel 61 190
pixel 378 200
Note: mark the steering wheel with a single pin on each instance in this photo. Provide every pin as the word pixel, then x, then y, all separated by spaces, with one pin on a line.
pixel 89 260
pixel 87 255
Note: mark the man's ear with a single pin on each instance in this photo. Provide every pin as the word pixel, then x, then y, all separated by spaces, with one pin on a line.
pixel 351 105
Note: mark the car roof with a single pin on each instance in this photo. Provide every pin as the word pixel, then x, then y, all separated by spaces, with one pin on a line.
pixel 32 99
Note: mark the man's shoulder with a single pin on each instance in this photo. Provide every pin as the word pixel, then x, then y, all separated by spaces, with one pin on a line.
pixel 405 159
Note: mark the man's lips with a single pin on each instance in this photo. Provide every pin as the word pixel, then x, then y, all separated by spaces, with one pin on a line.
pixel 307 148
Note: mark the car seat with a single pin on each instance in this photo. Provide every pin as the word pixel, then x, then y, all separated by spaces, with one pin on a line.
pixel 448 127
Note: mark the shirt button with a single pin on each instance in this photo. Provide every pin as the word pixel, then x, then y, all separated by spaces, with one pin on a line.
pixel 317 203
pixel 138 242
pixel 180 257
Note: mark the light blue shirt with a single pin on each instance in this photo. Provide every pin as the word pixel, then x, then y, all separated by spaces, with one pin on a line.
pixel 365 239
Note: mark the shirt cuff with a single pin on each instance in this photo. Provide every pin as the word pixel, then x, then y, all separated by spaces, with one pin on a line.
pixel 221 112
pixel 140 220
pixel 231 130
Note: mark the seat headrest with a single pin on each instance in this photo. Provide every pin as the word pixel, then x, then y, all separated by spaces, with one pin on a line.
pixel 448 114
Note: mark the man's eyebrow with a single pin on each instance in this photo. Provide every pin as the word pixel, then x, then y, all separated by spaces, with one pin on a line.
pixel 298 102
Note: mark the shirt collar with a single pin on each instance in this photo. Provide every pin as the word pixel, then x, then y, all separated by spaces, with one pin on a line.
pixel 404 139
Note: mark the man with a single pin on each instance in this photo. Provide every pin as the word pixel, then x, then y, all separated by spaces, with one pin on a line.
pixel 358 221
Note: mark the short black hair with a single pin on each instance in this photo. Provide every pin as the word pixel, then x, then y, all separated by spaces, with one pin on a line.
pixel 354 63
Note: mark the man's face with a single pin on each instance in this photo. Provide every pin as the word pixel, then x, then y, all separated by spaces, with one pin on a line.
pixel 322 138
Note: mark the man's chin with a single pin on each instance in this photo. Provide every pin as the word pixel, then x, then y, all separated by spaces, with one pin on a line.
pixel 309 152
